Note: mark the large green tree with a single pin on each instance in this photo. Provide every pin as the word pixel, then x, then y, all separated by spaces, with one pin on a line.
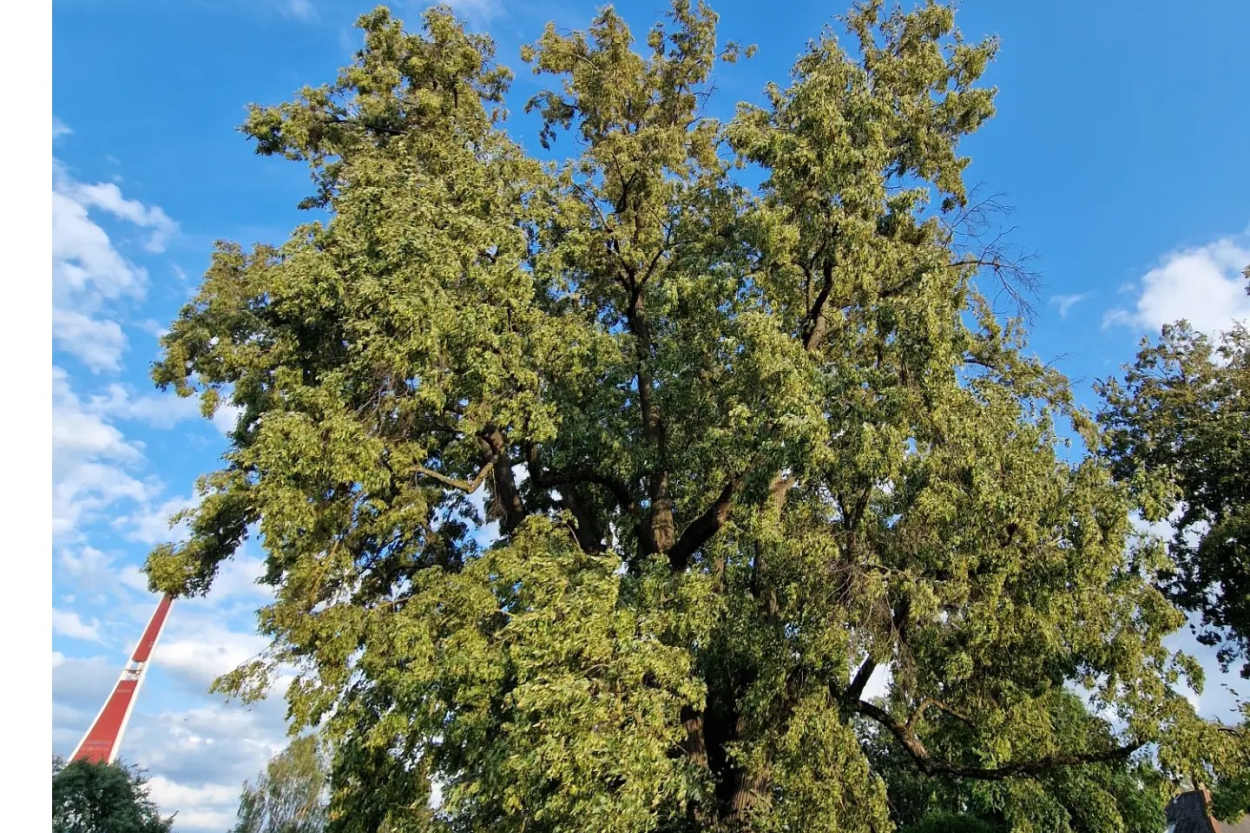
pixel 1178 431
pixel 739 447
pixel 103 798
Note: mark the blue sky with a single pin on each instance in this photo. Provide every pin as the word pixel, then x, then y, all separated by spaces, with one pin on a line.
pixel 1121 141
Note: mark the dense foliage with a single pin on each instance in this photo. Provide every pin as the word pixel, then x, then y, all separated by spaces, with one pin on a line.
pixel 1126 796
pixel 1178 430
pixel 289 796
pixel 103 798
pixel 742 449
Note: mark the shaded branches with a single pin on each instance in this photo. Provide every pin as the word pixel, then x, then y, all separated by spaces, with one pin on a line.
pixel 905 734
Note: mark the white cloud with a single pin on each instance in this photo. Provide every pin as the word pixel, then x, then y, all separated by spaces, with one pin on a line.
pixel 173 795
pixel 87 566
pixel 108 197
pixel 187 821
pixel 1065 303
pixel 78 434
pixel 197 754
pixel 158 410
pixel 154 328
pixel 199 757
pixel 84 258
pixel 1221 692
pixel 79 687
pixel 226 418
pixel 97 343
pixel 68 624
pixel 93 461
pixel 198 749
pixel 150 524
pixel 1203 285
pixel 134 578
pixel 878 682
pixel 59 129
pixel 89 461
pixel 87 490
pixel 89 273
pixel 206 807
pixel 237 580
pixel 197 656
pixel 299 9
pixel 70 723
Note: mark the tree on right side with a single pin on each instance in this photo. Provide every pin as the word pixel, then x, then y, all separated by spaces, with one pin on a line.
pixel 1177 429
pixel 289 796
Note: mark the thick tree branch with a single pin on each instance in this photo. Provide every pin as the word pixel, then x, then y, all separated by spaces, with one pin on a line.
pixel 929 765
pixel 584 474
pixel 586 526
pixel 588 532
pixel 466 486
pixel 898 621
pixel 702 528
pixel 813 327
pixel 375 126
pixel 860 681
pixel 656 534
pixel 931 703
pixel 506 497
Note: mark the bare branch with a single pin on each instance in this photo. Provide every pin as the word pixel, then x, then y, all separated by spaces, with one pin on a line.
pixel 974 229
pixel 931 703
pixel 466 486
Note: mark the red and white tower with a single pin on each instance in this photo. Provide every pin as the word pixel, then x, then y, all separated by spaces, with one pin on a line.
pixel 103 739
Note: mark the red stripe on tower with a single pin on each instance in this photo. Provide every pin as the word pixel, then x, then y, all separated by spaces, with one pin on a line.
pixel 103 739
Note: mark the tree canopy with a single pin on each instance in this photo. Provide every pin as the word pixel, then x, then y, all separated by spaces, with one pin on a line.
pixel 597 492
pixel 289 796
pixel 1122 795
pixel 103 798
pixel 1178 431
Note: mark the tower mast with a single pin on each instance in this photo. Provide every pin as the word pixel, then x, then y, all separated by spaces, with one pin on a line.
pixel 103 739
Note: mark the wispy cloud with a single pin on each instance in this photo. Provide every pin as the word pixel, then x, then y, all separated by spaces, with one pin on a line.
pixel 91 461
pixel 301 10
pixel 150 524
pixel 69 625
pixel 108 197
pixel 1203 285
pixel 89 273
pixel 157 410
pixel 1065 303
pixel 87 567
